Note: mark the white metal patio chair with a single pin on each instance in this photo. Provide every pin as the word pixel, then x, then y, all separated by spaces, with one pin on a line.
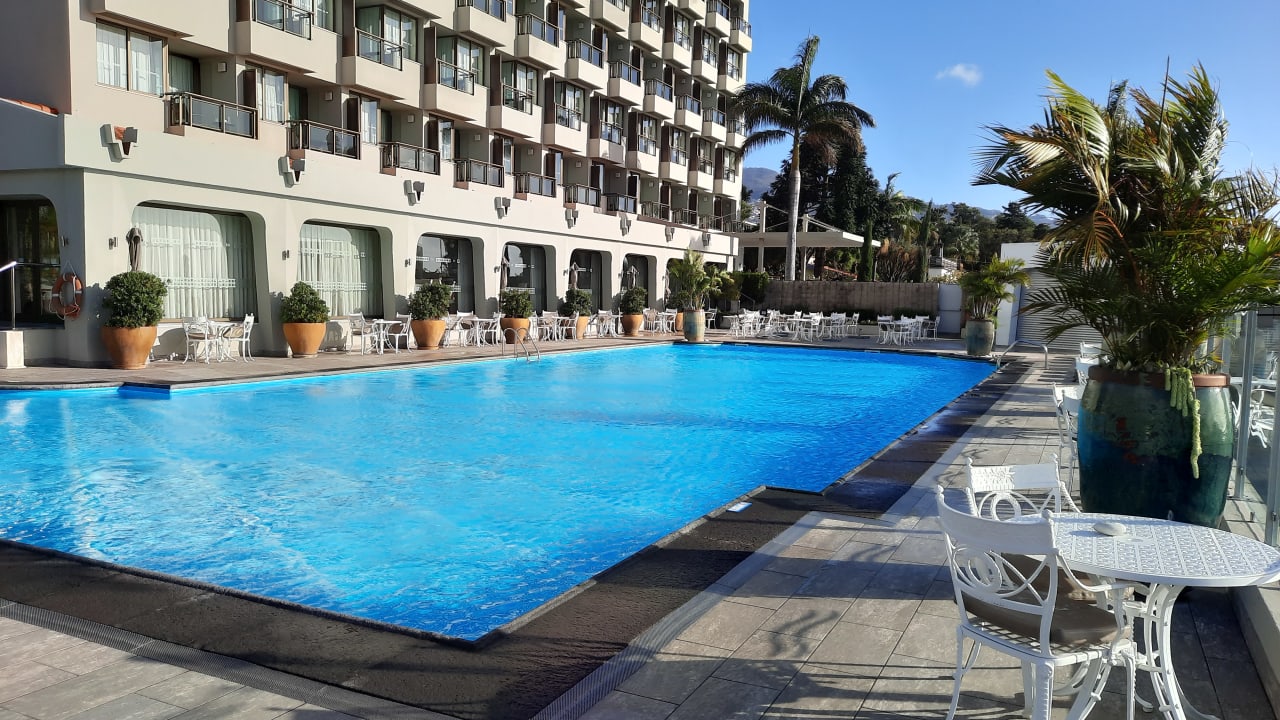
pixel 1003 492
pixel 201 340
pixel 365 332
pixel 1066 400
pixel 239 334
pixel 396 332
pixel 1006 580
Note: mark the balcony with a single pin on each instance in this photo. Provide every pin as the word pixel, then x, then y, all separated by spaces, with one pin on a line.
pixel 379 66
pixel 283 16
pixel 679 52
pixel 706 66
pixel 615 203
pixel 718 21
pixel 516 114
pixel 674 165
pixel 538 42
pixel 685 216
pixel 208 24
pixel 702 175
pixel 713 127
pixel 688 113
pixel 659 98
pixel 697 7
pixel 284 33
pixel 454 94
pixel 485 19
pixel 581 195
pixel 647 31
pixel 191 110
pixel 586 65
pixel 566 131
pixel 735 133
pixel 731 80
pixel 654 210
pixel 645 157
pixel 399 156
pixel 466 172
pixel 614 14
pixel 305 135
pixel 728 183
pixel 527 184
pixel 609 145
pixel 624 83
pixel 740 36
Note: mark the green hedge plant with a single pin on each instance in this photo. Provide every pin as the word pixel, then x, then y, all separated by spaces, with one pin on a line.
pixel 303 305
pixel 430 301
pixel 576 301
pixel 516 303
pixel 633 301
pixel 135 299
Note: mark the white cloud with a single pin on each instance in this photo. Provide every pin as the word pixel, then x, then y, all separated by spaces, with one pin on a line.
pixel 967 73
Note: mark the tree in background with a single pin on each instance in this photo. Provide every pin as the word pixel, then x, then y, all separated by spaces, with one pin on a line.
pixel 924 240
pixel 810 112
pixel 897 214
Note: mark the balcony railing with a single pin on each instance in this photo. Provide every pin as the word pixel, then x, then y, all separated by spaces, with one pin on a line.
pixel 647 145
pixel 659 88
pixel 284 16
pixel 582 195
pixel 677 156
pixel 651 19
pixel 719 7
pixel 624 4
pixel 706 165
pixel 307 135
pixel 568 117
pixel 742 26
pixel 455 77
pixel 713 116
pixel 683 39
pixel 736 125
pixel 619 203
pixel 372 47
pixel 517 99
pixel 685 216
pixel 477 171
pixel 612 133
pixel 709 54
pixel 497 8
pixel 410 157
pixel 537 27
pixel 733 70
pixel 624 70
pixel 655 209
pixel 202 112
pixel 690 103
pixel 729 175
pixel 534 184
pixel 583 50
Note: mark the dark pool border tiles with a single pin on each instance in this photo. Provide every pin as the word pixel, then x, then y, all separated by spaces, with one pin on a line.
pixel 518 672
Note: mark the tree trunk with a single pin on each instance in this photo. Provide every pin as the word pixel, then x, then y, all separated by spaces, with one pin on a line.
pixel 866 267
pixel 794 216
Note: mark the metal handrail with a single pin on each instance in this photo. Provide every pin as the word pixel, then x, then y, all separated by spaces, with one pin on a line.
pixel 13 293
pixel 1015 343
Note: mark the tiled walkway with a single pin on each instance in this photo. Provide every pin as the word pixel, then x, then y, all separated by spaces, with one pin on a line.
pixel 836 618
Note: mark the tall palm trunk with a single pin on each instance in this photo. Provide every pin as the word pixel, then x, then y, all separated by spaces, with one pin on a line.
pixel 793 217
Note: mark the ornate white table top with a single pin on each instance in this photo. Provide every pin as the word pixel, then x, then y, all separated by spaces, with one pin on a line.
pixel 1162 551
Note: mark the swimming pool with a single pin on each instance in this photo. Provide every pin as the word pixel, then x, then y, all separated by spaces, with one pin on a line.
pixel 450 499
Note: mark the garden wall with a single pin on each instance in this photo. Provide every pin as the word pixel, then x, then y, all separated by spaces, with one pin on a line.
pixel 824 296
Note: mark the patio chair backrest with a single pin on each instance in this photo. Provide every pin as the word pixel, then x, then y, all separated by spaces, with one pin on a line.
pixel 1003 492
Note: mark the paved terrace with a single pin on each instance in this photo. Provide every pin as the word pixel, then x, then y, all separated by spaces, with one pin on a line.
pixel 837 617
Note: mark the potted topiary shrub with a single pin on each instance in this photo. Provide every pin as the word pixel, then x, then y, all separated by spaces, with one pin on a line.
pixel 577 301
pixel 516 305
pixel 631 305
pixel 1157 251
pixel 427 307
pixel 303 315
pixel 690 274
pixel 984 290
pixel 135 302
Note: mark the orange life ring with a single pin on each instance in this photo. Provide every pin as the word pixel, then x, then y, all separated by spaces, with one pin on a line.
pixel 68 293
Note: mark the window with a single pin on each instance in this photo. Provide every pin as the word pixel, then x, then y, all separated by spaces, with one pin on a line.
pixel 571 100
pixel 680 32
pixel 647 129
pixel 526 265
pixel 446 140
pixel 29 234
pixel 206 258
pixel 679 143
pixel 344 265
pixel 519 86
pixel 321 12
pixel 611 119
pixel 184 75
pixel 386 36
pixel 447 260
pixel 297 103
pixel 272 93
pixel 467 56
pixel 368 120
pixel 733 63
pixel 130 59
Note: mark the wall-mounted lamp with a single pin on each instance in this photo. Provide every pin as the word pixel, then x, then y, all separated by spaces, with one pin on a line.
pixel 571 216
pixel 222 67
pixel 670 232
pixel 706 239
pixel 284 255
pixel 408 262
pixel 297 166
pixel 113 242
pixel 414 188
pixel 502 205
pixel 328 95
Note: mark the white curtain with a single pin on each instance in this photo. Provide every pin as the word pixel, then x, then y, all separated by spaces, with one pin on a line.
pixel 206 258
pixel 182 74
pixel 271 100
pixel 344 265
pixel 112 58
pixel 146 56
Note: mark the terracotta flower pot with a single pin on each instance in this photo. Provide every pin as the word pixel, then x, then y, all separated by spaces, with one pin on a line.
pixel 129 348
pixel 695 325
pixel 631 324
pixel 304 338
pixel 514 329
pixel 427 333
pixel 581 330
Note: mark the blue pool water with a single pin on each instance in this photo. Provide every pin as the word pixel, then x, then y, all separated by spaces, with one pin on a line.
pixel 451 498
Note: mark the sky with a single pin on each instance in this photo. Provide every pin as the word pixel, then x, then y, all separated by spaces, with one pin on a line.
pixel 935 74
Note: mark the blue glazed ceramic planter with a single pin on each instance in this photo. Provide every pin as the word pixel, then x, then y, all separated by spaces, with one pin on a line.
pixel 1135 450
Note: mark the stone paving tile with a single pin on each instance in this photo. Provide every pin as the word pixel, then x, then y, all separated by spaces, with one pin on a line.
pixel 930 637
pixel 726 625
pixel 34 644
pixel 797 560
pixel 824 538
pixel 81 693
pixel 908 687
pixel 83 658
pixel 314 712
pixel 893 610
pixel 836 580
pixel 856 649
pixel 623 706
pixel 675 672
pixel 926 550
pixel 820 692
pixel 767 659
pixel 1238 689
pixel 243 704
pixel 23 678
pixel 189 689
pixel 130 707
pixel 905 577
pixel 725 700
pixel 807 617
pixel 768 589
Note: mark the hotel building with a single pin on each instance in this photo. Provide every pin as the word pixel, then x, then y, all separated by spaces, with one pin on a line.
pixel 235 147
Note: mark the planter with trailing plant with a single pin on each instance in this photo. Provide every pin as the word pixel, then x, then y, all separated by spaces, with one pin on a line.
pixel 304 315
pixel 577 301
pixel 1157 251
pixel 694 280
pixel 427 307
pixel 984 290
pixel 631 306
pixel 516 306
pixel 134 302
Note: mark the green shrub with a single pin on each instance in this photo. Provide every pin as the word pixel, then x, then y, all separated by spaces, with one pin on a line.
pixel 754 285
pixel 516 303
pixel 633 301
pixel 303 305
pixel 576 301
pixel 430 301
pixel 135 299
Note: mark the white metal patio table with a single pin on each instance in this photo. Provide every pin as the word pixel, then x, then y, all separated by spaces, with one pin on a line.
pixel 1166 556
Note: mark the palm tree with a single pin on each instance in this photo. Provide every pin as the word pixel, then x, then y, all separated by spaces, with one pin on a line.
pixel 898 213
pixel 813 114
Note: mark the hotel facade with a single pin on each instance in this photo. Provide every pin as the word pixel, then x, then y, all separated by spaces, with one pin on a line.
pixel 235 147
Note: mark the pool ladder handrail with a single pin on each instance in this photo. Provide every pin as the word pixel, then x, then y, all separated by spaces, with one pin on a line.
pixel 524 340
pixel 1015 343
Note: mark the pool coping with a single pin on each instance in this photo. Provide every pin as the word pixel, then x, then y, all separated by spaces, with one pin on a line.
pixel 522 669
